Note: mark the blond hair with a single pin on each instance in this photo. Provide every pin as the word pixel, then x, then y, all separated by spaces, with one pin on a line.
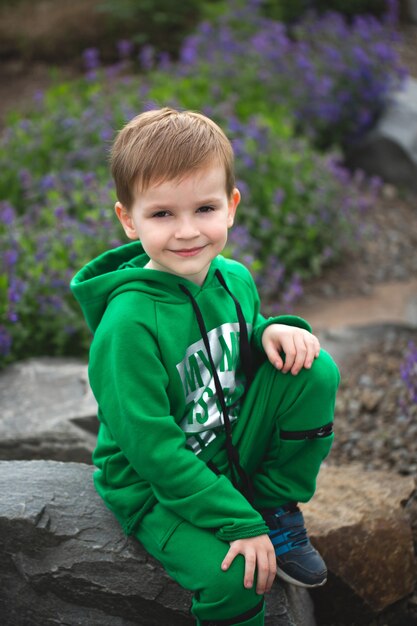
pixel 165 144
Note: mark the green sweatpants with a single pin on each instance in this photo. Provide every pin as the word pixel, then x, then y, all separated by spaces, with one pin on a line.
pixel 282 470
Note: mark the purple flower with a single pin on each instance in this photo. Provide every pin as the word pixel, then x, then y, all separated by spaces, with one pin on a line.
pixel 60 212
pixel 294 291
pixel 125 48
pixel 7 214
pixel 5 341
pixel 13 317
pixel 10 258
pixel 47 182
pixel 164 61
pixel 279 196
pixel 189 51
pixel 147 57
pixel 16 290
pixel 91 58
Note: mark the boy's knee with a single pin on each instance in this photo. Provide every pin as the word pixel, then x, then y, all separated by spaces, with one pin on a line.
pixel 324 373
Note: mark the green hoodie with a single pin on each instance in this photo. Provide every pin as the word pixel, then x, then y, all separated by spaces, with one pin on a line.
pixel 160 420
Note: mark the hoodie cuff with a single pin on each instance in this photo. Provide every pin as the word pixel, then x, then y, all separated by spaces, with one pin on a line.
pixel 232 534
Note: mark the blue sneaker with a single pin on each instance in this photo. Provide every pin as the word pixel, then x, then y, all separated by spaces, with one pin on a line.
pixel 298 562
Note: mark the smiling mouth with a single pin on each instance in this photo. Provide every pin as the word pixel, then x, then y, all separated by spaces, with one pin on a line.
pixel 187 252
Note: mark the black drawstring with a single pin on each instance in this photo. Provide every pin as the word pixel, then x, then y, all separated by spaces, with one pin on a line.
pixel 232 453
pixel 245 351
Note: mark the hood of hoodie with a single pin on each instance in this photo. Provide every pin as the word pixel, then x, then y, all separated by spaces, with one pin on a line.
pixel 123 269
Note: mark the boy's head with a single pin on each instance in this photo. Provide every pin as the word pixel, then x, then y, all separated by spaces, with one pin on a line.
pixel 175 184
pixel 163 145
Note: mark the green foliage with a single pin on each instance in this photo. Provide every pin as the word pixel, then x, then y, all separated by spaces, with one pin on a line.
pixel 353 7
pixel 285 11
pixel 160 23
pixel 291 11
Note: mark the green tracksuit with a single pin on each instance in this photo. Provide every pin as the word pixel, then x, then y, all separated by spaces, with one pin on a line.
pixel 161 418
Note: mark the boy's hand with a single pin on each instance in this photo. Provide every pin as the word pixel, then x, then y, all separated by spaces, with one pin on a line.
pixel 259 554
pixel 300 347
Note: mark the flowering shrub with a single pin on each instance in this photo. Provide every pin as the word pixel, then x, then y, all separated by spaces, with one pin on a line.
pixel 332 74
pixel 299 208
pixel 340 78
pixel 38 255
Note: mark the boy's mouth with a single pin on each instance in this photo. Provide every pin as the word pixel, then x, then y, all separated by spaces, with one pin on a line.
pixel 186 252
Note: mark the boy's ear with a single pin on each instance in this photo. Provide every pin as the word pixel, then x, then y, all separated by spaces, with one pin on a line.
pixel 125 218
pixel 232 206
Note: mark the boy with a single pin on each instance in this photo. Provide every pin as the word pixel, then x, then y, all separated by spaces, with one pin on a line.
pixel 201 455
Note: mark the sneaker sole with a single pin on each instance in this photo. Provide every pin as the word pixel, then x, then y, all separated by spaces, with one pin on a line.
pixel 298 583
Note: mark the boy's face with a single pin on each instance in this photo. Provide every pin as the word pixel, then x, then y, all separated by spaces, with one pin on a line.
pixel 182 224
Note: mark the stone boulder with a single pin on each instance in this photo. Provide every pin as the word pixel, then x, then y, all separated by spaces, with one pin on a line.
pixel 358 521
pixel 409 10
pixel 389 150
pixel 66 561
pixel 47 411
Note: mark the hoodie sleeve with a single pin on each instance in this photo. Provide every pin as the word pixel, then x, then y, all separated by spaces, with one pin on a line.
pixel 130 383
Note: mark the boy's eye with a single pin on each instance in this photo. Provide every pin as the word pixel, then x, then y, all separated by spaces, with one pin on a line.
pixel 205 209
pixel 160 214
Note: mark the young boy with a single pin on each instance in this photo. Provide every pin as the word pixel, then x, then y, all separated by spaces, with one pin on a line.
pixel 213 420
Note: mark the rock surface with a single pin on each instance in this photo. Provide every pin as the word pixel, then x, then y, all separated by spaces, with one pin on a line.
pixel 66 561
pixel 390 149
pixel 358 522
pixel 47 411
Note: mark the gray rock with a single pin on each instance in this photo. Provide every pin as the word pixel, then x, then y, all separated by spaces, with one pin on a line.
pixel 65 560
pixel 47 411
pixel 410 11
pixel 390 149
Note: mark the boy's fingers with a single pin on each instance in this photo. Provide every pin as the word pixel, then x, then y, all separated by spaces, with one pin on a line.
pixel 290 354
pixel 310 351
pixel 313 351
pixel 263 575
pixel 229 558
pixel 300 355
pixel 275 359
pixel 250 564
pixel 272 568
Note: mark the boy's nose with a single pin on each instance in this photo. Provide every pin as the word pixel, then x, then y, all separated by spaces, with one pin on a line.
pixel 187 230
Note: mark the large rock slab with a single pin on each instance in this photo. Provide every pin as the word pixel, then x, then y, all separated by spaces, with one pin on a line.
pixel 358 522
pixel 389 150
pixel 66 561
pixel 47 411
